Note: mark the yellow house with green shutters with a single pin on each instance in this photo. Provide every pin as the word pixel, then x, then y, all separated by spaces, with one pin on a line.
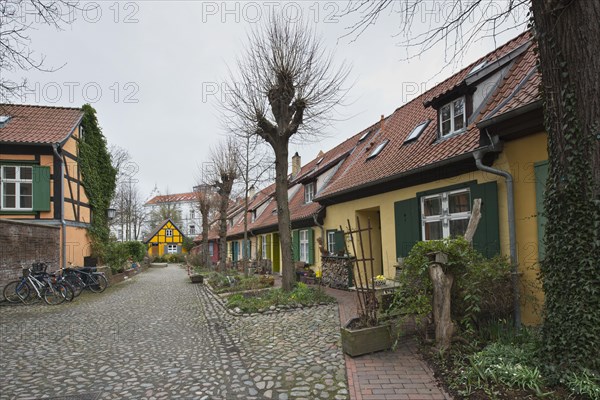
pixel 166 238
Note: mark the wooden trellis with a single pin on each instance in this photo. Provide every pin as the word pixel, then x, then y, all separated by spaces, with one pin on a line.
pixel 365 287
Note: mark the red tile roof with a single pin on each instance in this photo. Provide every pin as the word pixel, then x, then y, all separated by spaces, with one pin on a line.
pixel 173 198
pixel 30 124
pixel 398 158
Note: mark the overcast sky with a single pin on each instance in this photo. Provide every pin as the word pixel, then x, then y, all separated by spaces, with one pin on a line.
pixel 153 71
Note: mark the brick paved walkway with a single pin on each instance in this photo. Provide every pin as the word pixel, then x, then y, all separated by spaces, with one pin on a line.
pixel 397 375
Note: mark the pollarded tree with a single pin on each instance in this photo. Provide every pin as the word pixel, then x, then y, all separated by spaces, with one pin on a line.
pixel 206 205
pixel 285 85
pixel 222 174
pixel 567 34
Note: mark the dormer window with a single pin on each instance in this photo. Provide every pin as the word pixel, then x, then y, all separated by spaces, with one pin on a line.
pixel 309 192
pixel 230 222
pixel 452 117
pixel 253 215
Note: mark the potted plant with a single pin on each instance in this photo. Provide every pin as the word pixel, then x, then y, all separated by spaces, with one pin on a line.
pixel 365 334
pixel 197 278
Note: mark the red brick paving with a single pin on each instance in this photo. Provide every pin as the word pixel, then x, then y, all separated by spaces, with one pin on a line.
pixel 387 375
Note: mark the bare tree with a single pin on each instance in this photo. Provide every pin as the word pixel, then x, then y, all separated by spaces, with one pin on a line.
pixel 285 85
pixel 206 205
pixel 255 165
pixel 165 209
pixel 17 18
pixel 222 175
pixel 567 34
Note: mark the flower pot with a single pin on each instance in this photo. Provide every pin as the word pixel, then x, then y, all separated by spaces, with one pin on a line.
pixel 197 278
pixel 356 342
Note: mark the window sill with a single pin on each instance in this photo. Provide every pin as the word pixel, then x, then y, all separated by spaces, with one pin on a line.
pixel 25 212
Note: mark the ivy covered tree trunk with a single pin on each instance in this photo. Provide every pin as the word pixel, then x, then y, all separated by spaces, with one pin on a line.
pixel 567 34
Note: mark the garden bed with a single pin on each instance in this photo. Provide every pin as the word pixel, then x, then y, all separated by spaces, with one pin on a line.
pixel 277 299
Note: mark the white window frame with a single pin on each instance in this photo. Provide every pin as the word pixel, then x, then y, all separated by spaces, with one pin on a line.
pixel 17 182
pixel 192 214
pixel 170 248
pixel 309 192
pixel 264 247
pixel 192 229
pixel 331 242
pixel 445 217
pixel 453 130
pixel 211 249
pixel 168 232
pixel 303 234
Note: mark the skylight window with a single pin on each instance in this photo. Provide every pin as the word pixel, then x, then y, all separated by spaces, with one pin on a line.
pixel 417 131
pixel 378 149
pixel 320 160
pixel 3 120
pixel 477 67
pixel 364 136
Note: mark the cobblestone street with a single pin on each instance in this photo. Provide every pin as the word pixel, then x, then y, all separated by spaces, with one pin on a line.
pixel 157 336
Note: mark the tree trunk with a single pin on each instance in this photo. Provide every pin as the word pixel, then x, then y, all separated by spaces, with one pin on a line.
pixel 442 292
pixel 223 204
pixel 283 217
pixel 205 233
pixel 567 34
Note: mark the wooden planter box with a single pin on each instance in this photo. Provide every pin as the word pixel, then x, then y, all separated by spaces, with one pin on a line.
pixel 197 278
pixel 356 342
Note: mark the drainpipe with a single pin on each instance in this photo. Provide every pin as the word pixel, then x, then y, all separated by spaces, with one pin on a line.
pixel 62 207
pixel 478 155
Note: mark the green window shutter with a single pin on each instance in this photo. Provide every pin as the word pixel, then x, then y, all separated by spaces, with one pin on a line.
pixel 311 246
pixel 487 237
pixel 407 222
pixel 249 249
pixel 541 176
pixel 41 188
pixel 259 247
pixel 339 239
pixel 295 246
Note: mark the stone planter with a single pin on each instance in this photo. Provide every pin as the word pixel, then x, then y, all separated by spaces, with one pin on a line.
pixel 197 278
pixel 158 265
pixel 356 342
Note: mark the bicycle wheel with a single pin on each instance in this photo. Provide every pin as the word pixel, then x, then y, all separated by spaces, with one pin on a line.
pixel 76 283
pixel 26 292
pixel 53 294
pixel 67 290
pixel 98 283
pixel 10 291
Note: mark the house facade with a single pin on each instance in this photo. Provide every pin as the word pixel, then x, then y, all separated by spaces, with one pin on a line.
pixel 413 176
pixel 40 178
pixel 185 204
pixel 166 238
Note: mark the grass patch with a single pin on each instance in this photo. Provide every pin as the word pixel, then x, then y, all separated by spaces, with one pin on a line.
pixel 301 295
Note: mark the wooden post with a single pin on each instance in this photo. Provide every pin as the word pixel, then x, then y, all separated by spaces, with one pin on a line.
pixel 442 292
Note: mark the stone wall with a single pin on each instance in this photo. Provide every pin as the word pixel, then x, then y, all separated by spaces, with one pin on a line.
pixel 23 243
pixel 336 270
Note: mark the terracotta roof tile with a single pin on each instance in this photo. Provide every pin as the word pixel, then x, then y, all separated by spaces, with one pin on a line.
pixel 173 198
pixel 38 124
pixel 398 157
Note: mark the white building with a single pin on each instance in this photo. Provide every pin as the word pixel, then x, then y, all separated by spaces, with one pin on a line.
pixel 186 207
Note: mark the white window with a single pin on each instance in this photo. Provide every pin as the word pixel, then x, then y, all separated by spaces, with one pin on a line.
pixel 452 117
pixel 253 215
pixel 192 214
pixel 331 242
pixel 17 188
pixel 120 234
pixel 309 192
pixel 211 250
pixel 304 246
pixel 264 247
pixel 172 249
pixel 169 232
pixel 445 214
pixel 192 230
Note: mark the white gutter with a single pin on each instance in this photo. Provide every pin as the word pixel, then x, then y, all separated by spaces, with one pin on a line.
pixel 62 206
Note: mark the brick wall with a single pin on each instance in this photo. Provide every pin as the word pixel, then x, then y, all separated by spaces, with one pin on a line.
pixel 23 243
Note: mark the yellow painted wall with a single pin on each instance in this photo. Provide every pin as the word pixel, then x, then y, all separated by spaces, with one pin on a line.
pixel 161 239
pixel 78 245
pixel 518 157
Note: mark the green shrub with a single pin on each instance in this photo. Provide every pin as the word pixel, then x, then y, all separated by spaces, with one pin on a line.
pixel 482 287
pixel 115 256
pixel 136 250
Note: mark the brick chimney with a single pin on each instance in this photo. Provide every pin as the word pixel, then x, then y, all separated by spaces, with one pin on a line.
pixel 296 164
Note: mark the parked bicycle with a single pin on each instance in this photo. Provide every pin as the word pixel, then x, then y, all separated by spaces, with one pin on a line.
pixel 38 283
pixel 85 277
